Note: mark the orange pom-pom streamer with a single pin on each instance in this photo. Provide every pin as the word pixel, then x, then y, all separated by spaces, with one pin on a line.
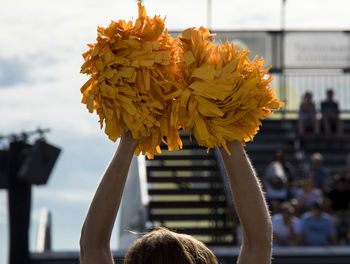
pixel 225 95
pixel 131 86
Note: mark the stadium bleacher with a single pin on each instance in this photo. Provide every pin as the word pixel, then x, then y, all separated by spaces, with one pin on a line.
pixel 187 193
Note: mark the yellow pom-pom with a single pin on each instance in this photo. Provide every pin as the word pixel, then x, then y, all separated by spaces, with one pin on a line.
pixel 225 95
pixel 132 81
pixel 143 81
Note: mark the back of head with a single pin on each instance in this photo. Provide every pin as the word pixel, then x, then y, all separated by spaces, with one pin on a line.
pixel 162 246
pixel 287 207
pixel 307 97
pixel 330 94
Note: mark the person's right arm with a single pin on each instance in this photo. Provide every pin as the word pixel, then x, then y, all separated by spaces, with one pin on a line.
pixel 250 205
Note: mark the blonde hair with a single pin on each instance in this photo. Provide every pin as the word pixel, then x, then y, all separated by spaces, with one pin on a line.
pixel 317 156
pixel 162 246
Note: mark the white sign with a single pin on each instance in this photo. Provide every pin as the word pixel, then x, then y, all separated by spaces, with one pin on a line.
pixel 317 49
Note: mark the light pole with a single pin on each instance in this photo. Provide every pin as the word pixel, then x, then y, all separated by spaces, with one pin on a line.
pixel 209 14
pixel 283 87
pixel 283 14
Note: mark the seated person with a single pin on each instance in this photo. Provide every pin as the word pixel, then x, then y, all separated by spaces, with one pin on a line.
pixel 307 121
pixel 330 121
pixel 275 182
pixel 288 167
pixel 308 193
pixel 285 226
pixel 322 177
pixel 339 197
pixel 317 228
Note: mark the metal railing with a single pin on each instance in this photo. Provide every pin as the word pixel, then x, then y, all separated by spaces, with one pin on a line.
pixel 281 255
pixel 297 83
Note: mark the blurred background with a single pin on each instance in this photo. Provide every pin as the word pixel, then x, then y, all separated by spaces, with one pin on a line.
pixel 40 58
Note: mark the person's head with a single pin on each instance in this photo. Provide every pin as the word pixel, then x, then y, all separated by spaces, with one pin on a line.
pixel 279 156
pixel 330 94
pixel 296 206
pixel 316 160
pixel 340 183
pixel 317 209
pixel 310 180
pixel 164 246
pixel 307 98
pixel 287 210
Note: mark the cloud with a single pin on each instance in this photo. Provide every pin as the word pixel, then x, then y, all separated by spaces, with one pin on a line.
pixel 64 196
pixel 26 70
pixel 180 14
pixel 13 71
pixel 35 215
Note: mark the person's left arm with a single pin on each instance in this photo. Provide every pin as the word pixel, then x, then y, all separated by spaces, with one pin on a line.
pixel 294 230
pixel 99 222
pixel 332 233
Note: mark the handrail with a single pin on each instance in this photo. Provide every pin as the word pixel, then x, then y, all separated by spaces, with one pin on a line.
pixel 285 255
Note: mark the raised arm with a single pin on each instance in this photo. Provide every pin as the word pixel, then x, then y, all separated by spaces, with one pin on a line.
pixel 99 222
pixel 250 205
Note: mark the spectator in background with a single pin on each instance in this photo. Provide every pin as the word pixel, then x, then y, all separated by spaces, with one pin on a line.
pixel 297 207
pixel 322 178
pixel 307 121
pixel 330 121
pixel 308 194
pixel 279 176
pixel 288 167
pixel 285 226
pixel 317 228
pixel 275 183
pixel 339 197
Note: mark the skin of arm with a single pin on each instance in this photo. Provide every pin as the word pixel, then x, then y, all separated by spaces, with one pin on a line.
pixel 99 222
pixel 250 205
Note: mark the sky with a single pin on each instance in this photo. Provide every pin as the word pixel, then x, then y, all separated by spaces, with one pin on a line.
pixel 40 58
